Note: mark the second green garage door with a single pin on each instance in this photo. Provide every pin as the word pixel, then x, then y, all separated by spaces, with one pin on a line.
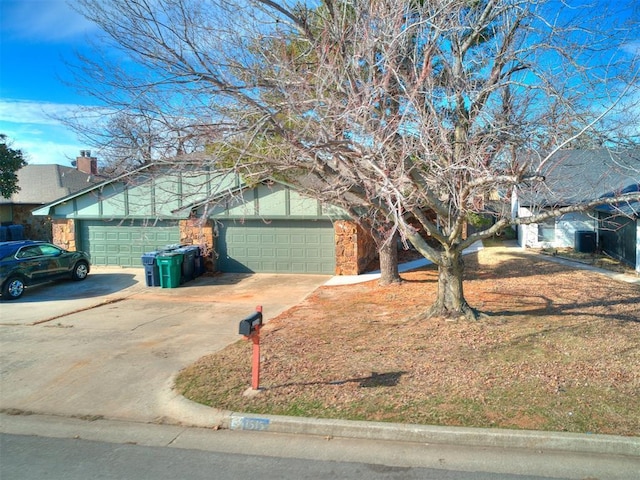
pixel 123 243
pixel 279 246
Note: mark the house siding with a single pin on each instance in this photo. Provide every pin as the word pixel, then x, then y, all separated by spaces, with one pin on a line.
pixel 144 198
pixel 565 228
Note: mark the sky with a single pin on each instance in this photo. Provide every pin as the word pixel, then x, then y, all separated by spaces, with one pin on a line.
pixel 36 36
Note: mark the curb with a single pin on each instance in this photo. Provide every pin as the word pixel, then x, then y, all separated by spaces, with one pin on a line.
pixel 462 436
pixel 187 412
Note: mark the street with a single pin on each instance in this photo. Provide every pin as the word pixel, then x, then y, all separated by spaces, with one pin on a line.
pixel 39 446
pixel 71 459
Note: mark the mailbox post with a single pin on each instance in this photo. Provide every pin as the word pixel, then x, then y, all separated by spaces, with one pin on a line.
pixel 250 329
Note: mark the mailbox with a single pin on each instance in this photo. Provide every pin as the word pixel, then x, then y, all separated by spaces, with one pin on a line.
pixel 250 328
pixel 250 324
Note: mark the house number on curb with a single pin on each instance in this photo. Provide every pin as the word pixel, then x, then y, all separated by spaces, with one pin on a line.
pixel 248 423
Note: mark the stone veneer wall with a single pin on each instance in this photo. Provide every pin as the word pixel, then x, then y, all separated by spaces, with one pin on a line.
pixel 194 231
pixel 63 232
pixel 35 227
pixel 355 248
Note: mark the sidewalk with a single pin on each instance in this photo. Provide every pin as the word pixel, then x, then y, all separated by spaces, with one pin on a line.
pixel 365 277
pixel 620 277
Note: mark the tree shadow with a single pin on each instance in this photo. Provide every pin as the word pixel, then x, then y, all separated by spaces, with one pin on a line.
pixel 577 309
pixel 95 285
pixel 519 265
pixel 389 379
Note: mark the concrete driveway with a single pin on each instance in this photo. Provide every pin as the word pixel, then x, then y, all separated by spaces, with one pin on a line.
pixel 110 346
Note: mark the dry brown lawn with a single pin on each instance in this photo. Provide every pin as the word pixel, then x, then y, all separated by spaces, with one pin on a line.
pixel 559 350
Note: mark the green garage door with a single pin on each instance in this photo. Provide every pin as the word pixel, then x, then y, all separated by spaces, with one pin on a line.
pixel 280 246
pixel 116 243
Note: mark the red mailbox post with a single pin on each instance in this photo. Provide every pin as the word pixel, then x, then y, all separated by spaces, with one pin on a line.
pixel 250 328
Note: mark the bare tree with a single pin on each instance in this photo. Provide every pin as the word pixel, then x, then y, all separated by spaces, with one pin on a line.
pixel 401 112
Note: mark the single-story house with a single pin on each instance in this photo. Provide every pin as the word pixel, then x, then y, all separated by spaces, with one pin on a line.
pixel 575 176
pixel 268 227
pixel 40 185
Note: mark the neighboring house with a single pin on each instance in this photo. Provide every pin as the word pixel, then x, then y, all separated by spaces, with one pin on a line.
pixel 40 185
pixel 268 227
pixel 576 176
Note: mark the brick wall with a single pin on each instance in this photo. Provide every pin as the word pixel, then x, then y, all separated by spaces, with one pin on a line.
pixel 195 231
pixel 63 233
pixel 355 249
pixel 35 228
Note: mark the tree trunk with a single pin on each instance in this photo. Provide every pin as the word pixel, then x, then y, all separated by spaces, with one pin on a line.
pixel 388 254
pixel 450 302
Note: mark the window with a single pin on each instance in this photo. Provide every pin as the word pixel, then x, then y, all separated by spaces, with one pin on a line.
pixel 29 252
pixel 50 250
pixel 547 231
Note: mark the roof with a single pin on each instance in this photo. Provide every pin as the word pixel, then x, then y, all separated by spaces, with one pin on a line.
pixel 575 176
pixel 628 209
pixel 41 184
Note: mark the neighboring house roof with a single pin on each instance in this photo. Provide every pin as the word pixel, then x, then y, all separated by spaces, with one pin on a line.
pixel 41 184
pixel 629 209
pixel 576 176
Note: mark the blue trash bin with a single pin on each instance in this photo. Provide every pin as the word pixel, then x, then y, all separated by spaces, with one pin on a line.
pixel 151 269
pixel 16 232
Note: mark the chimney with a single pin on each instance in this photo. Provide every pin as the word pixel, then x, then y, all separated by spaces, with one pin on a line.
pixel 86 163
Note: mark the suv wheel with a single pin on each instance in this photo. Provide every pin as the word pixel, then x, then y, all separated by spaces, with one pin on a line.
pixel 13 288
pixel 80 271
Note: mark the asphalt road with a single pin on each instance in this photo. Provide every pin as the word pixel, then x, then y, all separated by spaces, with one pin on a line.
pixel 36 446
pixel 71 459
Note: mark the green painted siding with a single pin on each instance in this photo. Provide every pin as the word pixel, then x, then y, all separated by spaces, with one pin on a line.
pixel 279 246
pixel 301 206
pixel 273 201
pixel 123 243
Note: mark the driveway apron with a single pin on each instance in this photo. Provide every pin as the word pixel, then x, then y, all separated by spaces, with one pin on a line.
pixel 116 357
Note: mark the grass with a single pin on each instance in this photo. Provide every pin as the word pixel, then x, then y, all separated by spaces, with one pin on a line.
pixel 559 350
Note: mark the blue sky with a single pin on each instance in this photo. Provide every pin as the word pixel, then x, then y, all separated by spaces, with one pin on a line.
pixel 36 36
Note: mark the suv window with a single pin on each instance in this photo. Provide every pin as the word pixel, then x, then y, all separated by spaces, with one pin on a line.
pixel 50 250
pixel 29 252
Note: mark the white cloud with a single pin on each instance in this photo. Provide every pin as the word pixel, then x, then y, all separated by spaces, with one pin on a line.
pixel 632 47
pixel 43 20
pixel 29 112
pixel 32 127
pixel 48 152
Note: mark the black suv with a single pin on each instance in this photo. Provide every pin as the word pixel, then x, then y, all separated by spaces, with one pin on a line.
pixel 27 262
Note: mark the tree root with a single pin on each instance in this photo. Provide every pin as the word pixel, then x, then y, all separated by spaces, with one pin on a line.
pixel 395 281
pixel 466 312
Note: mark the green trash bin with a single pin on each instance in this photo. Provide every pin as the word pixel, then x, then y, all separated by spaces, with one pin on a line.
pixel 170 267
